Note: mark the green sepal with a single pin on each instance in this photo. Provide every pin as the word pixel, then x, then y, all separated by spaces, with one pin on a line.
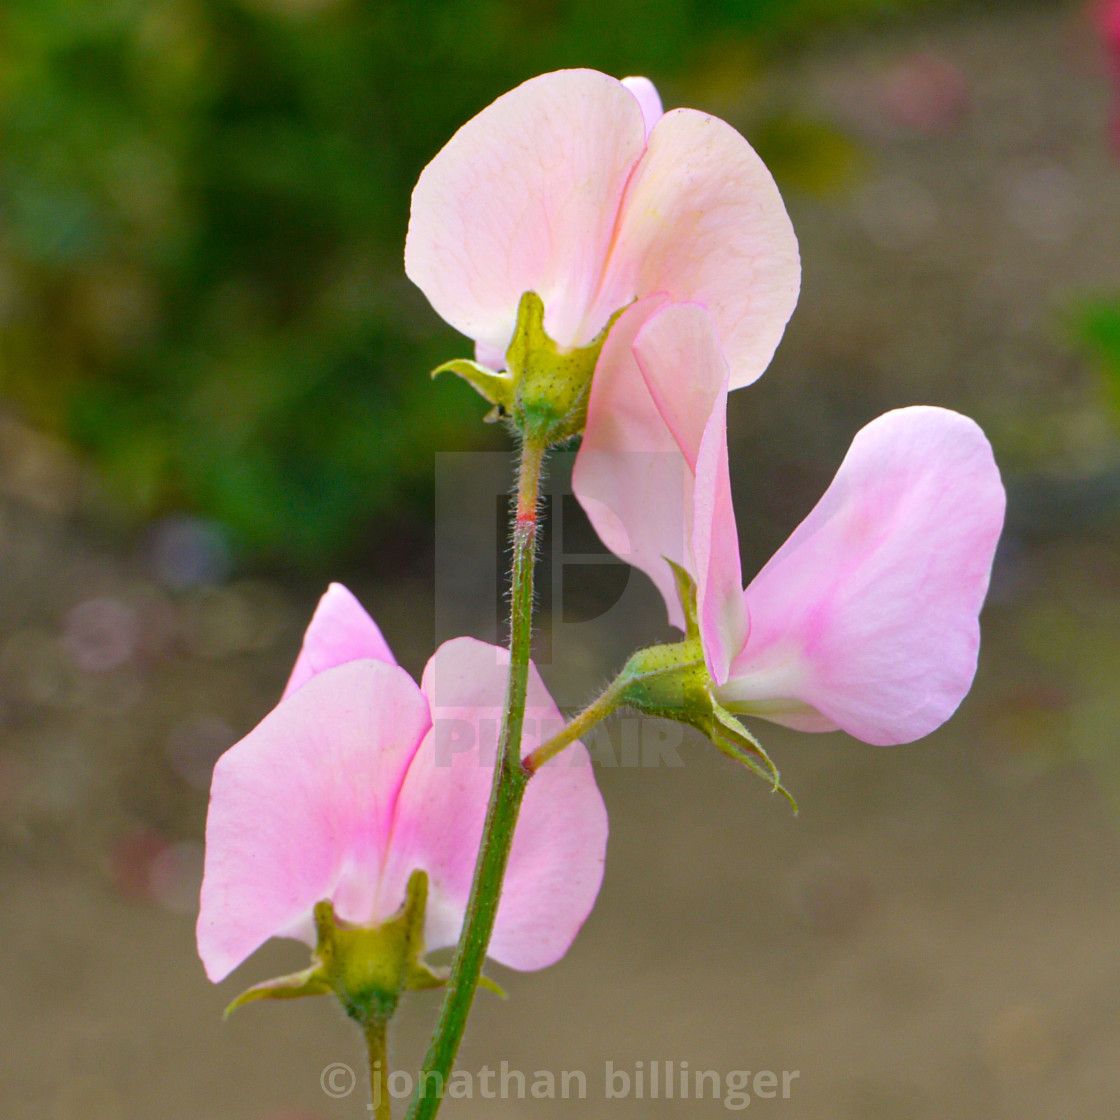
pixel 309 982
pixel 491 986
pixel 495 387
pixel 421 977
pixel 553 385
pixel 545 388
pixel 686 592
pixel 672 681
pixel 367 968
pixel 427 977
pixel 731 737
pixel 668 680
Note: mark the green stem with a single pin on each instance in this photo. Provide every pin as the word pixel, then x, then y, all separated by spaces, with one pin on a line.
pixel 510 778
pixel 379 1070
pixel 595 712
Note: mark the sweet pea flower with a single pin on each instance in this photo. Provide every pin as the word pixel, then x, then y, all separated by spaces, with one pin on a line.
pixel 576 186
pixel 1109 22
pixel 866 619
pixel 358 778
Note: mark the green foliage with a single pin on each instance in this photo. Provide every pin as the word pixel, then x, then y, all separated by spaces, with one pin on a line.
pixel 202 211
pixel 1099 328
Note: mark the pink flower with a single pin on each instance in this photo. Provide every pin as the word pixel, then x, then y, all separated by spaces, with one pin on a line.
pixel 576 186
pixel 1110 29
pixel 866 619
pixel 359 777
pixel 1109 22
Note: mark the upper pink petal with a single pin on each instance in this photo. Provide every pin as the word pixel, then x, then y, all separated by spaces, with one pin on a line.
pixel 648 98
pixel 489 356
pixel 301 809
pixel 721 610
pixel 630 475
pixel 702 221
pixel 867 617
pixel 556 863
pixel 340 631
pixel 686 374
pixel 1108 16
pixel 652 470
pixel 524 197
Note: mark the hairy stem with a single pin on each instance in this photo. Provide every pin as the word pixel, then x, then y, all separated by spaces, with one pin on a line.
pixel 594 713
pixel 510 778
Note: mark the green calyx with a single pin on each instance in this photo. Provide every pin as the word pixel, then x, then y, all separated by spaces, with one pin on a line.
pixel 672 682
pixel 367 968
pixel 545 389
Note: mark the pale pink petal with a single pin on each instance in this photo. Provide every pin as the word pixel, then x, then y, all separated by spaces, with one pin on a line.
pixel 524 197
pixel 556 864
pixel 490 356
pixel 1108 16
pixel 702 221
pixel 679 357
pixel 715 549
pixel 866 618
pixel 652 470
pixel 684 369
pixel 630 475
pixel 340 631
pixel 301 808
pixel 648 98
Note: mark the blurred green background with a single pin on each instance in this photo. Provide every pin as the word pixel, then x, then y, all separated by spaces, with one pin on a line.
pixel 202 213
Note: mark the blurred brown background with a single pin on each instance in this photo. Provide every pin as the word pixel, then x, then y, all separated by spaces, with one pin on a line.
pixel 214 397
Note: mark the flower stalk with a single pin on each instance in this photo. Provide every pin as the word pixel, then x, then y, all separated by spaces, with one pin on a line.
pixel 507 791
pixel 378 1069
pixel 608 702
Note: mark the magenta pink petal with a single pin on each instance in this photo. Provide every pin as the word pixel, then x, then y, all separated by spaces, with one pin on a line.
pixel 340 631
pixel 556 864
pixel 866 619
pixel 301 808
pixel 524 197
pixel 702 221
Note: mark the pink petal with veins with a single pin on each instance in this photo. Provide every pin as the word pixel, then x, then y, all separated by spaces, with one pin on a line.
pixel 629 475
pixel 340 631
pixel 652 470
pixel 685 371
pixel 301 809
pixel 578 187
pixel 524 197
pixel 866 619
pixel 649 100
pixel 556 863
pixel 358 778
pixel 703 222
